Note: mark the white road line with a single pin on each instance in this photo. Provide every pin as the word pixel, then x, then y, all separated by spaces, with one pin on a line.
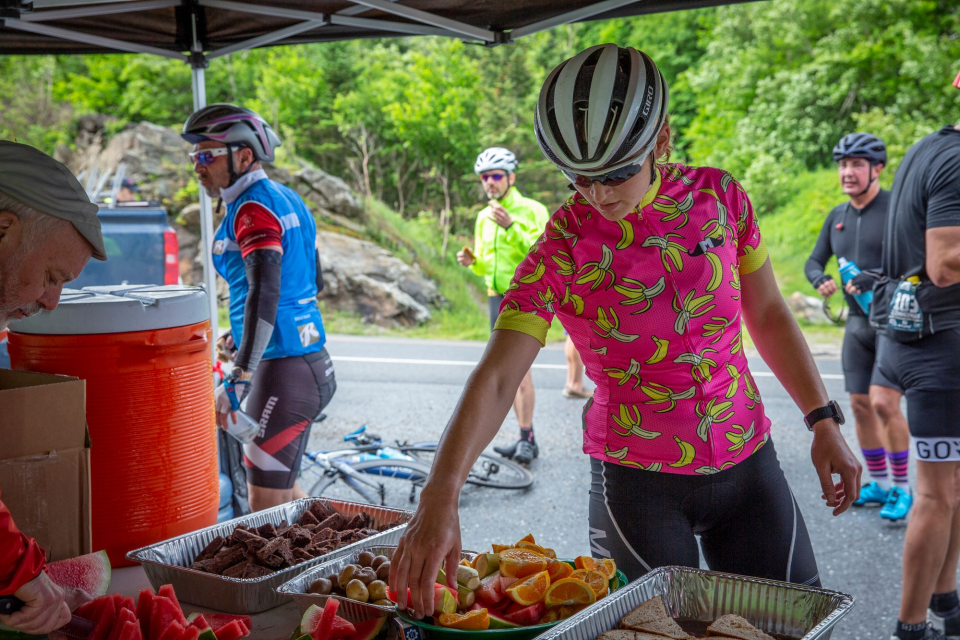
pixel 468 363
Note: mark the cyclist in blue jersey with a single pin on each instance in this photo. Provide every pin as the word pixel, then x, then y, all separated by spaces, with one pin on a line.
pixel 265 248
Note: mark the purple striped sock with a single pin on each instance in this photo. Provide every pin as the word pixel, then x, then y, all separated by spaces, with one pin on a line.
pixel 898 466
pixel 877 465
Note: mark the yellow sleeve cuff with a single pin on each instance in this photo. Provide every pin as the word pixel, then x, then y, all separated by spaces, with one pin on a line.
pixel 524 322
pixel 753 259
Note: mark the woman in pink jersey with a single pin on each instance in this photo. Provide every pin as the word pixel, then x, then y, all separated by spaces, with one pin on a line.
pixel 652 268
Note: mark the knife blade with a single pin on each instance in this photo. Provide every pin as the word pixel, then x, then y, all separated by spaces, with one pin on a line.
pixel 77 627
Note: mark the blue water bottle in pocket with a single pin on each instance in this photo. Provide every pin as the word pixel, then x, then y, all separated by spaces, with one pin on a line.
pixel 848 271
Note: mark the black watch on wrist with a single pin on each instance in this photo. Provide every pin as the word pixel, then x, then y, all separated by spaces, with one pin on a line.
pixel 832 410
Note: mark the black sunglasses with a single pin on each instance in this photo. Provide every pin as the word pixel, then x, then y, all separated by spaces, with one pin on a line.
pixel 613 179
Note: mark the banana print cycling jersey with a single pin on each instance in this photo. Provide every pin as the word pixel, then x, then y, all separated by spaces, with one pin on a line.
pixel 652 303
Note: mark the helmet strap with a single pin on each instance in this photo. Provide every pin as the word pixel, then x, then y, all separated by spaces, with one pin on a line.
pixel 870 181
pixel 234 176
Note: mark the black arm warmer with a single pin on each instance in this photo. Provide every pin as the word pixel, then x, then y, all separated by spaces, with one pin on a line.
pixel 260 312
pixel 822 252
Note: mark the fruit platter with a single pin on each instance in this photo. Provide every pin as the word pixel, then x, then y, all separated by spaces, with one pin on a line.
pixel 514 592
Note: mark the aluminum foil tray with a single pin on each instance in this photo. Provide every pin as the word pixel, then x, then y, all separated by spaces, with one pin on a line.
pixel 354 611
pixel 168 562
pixel 774 607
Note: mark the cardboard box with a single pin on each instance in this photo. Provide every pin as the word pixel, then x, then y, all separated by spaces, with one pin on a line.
pixel 45 460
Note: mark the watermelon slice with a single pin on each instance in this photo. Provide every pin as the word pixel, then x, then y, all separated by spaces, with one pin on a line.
pixel 316 621
pixel 368 629
pixel 490 591
pixel 497 621
pixel 106 618
pixel 123 617
pixel 190 633
pixel 166 591
pixel 235 630
pixel 163 613
pixel 527 616
pixel 131 631
pixel 216 620
pixel 144 609
pixel 173 631
pixel 90 573
pixel 199 621
pixel 342 628
pixel 91 610
pixel 207 634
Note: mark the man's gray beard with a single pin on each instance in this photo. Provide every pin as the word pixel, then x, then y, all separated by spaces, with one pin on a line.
pixel 213 192
pixel 8 294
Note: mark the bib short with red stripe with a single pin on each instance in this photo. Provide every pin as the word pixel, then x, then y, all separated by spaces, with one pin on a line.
pixel 286 396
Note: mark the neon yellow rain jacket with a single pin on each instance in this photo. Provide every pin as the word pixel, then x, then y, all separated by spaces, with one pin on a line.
pixel 500 250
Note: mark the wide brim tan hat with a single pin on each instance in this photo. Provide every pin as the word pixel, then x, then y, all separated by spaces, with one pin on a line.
pixel 38 181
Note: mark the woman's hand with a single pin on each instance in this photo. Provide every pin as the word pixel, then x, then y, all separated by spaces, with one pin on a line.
pixel 44 607
pixel 432 537
pixel 831 455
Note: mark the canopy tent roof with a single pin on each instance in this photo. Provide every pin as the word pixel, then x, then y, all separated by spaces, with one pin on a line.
pixel 195 31
pixel 173 28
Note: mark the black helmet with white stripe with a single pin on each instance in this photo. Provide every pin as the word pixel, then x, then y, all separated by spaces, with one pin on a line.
pixel 495 158
pixel 601 110
pixel 861 145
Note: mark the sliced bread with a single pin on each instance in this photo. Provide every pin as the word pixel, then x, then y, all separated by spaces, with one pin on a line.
pixel 733 626
pixel 666 627
pixel 649 611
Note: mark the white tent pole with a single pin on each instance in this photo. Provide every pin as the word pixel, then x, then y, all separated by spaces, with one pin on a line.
pixel 206 220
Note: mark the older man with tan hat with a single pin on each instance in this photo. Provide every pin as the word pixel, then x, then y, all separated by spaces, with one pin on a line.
pixel 48 231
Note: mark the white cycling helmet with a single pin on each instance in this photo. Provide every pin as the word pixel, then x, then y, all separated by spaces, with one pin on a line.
pixel 601 110
pixel 495 158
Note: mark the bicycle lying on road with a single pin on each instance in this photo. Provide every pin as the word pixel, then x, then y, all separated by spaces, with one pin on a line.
pixel 391 475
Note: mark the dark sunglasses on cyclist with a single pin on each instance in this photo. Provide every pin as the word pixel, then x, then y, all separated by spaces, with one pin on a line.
pixel 613 179
pixel 207 156
pixel 496 177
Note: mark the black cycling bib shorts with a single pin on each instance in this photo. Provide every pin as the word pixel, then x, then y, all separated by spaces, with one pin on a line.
pixel 286 396
pixel 929 372
pixel 859 356
pixel 746 516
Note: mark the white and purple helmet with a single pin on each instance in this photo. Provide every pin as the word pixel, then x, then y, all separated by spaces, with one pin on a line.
pixel 233 126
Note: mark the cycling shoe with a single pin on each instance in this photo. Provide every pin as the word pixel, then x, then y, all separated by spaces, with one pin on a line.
pixel 898 505
pixel 871 494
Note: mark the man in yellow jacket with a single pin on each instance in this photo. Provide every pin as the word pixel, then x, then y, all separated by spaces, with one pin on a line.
pixel 505 230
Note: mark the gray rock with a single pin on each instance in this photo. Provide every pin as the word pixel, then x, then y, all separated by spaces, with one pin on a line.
pixel 364 278
pixel 810 308
pixel 327 191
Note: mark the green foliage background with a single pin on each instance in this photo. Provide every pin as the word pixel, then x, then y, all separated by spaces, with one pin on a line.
pixel 762 89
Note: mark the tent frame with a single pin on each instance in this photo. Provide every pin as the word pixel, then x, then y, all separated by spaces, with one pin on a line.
pixel 424 23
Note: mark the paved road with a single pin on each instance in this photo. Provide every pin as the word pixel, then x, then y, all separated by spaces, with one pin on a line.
pixel 407 389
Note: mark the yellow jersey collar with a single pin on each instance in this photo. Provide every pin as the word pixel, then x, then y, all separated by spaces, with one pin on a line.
pixel 653 191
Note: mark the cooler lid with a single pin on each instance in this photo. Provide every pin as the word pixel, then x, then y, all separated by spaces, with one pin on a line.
pixel 119 309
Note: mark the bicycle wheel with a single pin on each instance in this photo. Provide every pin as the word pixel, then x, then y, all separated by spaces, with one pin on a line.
pixel 489 470
pixel 389 483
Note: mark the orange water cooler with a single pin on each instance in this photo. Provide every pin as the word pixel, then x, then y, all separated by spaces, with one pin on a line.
pixel 144 352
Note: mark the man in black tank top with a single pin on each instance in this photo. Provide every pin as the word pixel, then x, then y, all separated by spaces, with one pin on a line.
pixel 853 232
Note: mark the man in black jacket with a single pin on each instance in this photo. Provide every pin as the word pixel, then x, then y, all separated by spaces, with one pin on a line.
pixel 919 348
pixel 853 232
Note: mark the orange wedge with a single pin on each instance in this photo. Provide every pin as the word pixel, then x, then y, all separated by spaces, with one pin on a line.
pixel 609 568
pixel 559 570
pixel 520 563
pixel 606 566
pixel 531 590
pixel 550 553
pixel 597 581
pixel 527 538
pixel 500 548
pixel 478 620
pixel 569 591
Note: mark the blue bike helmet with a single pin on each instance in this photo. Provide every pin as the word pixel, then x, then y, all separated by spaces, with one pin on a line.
pixel 861 145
